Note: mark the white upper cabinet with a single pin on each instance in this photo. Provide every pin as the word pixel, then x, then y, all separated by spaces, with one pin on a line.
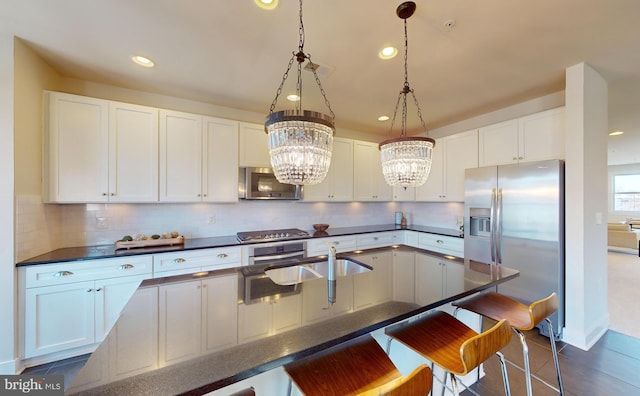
pixel 254 149
pixel 338 185
pixel 451 156
pixel 133 153
pixel 99 151
pixel 535 137
pixel 219 160
pixel 198 158
pixel 180 157
pixel 368 180
pixel 76 148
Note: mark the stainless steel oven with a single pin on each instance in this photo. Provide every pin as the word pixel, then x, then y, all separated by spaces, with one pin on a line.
pixel 255 285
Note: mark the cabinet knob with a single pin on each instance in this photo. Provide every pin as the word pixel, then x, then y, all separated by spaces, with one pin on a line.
pixel 520 158
pixel 179 260
pixel 335 243
pixel 223 255
pixel 199 195
pixel 204 195
pixel 63 273
pixel 515 158
pixel 125 266
pixel 89 290
pixel 439 241
pixel 104 194
pixel 99 289
pixel 375 238
pixel 112 194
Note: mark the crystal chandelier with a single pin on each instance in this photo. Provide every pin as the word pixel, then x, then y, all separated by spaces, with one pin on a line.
pixel 406 161
pixel 300 141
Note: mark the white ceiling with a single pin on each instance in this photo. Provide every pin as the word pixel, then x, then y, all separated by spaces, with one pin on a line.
pixel 231 53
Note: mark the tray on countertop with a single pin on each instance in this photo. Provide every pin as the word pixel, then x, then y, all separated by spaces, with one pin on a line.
pixel 149 242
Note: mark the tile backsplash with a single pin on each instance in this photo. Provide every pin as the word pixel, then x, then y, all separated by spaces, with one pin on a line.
pixel 41 228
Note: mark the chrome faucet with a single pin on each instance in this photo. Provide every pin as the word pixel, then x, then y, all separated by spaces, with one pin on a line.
pixel 331 276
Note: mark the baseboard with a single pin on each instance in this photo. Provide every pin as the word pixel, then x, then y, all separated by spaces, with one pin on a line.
pixel 10 367
pixel 586 339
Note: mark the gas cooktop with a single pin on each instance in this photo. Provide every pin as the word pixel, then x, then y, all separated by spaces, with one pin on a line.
pixel 272 235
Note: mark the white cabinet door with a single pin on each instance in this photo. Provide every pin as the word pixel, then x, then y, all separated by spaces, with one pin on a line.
pixel 254 321
pixel 535 137
pixel 452 155
pixel 220 312
pixel 180 318
pixel 373 287
pixel 369 183
pixel 76 148
pixel 58 318
pixel 315 304
pixel 133 343
pixel 112 296
pixel 403 276
pixel 287 313
pixel 542 135
pixel 253 150
pixel 338 185
pixel 429 279
pixel 498 144
pixel 180 157
pixel 220 160
pixel 133 153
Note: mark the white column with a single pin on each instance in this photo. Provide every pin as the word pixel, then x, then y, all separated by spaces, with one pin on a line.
pixel 587 317
pixel 7 264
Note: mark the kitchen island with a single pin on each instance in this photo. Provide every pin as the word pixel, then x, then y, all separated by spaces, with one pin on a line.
pixel 416 282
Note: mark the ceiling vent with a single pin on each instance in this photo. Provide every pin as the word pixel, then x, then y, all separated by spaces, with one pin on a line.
pixel 321 70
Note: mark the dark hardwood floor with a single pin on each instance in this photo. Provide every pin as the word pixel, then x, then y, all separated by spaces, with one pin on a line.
pixel 610 367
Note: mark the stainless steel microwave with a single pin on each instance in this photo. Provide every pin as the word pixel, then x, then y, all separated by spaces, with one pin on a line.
pixel 261 183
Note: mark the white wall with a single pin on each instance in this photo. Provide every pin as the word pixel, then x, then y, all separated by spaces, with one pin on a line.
pixel 586 207
pixel 7 273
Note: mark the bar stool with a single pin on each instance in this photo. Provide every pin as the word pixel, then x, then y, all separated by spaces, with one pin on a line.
pixel 359 368
pixel 521 317
pixel 452 345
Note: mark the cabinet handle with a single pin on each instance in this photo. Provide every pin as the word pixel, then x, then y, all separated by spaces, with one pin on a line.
pixel 223 255
pixel 515 158
pixel 63 273
pixel 199 195
pixel 204 286
pixel 99 289
pixel 335 243
pixel 125 266
pixel 375 238
pixel 105 194
pixel 520 158
pixel 439 241
pixel 179 260
pixel 112 194
pixel 89 290
pixel 204 195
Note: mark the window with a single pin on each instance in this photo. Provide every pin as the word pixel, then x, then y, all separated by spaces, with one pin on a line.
pixel 626 193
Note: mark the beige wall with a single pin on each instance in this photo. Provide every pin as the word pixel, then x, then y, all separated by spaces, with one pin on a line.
pixel 32 75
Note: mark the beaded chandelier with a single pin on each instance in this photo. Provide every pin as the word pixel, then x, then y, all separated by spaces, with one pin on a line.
pixel 300 141
pixel 406 161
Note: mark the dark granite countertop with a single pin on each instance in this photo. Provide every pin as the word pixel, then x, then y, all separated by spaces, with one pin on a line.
pixel 109 251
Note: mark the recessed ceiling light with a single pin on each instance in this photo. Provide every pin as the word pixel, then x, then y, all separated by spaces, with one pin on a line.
pixel 142 61
pixel 388 53
pixel 616 133
pixel 267 4
pixel 293 98
pixel 383 118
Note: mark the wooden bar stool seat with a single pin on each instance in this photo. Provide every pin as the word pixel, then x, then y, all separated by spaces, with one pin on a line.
pixel 521 317
pixel 359 368
pixel 452 345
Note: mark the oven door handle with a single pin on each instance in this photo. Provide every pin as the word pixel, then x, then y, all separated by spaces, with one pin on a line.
pixel 276 257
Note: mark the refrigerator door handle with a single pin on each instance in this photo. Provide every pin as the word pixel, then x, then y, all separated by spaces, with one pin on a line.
pixel 492 226
pixel 499 227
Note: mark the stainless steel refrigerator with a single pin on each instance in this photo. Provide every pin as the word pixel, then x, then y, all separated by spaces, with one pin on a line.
pixel 514 216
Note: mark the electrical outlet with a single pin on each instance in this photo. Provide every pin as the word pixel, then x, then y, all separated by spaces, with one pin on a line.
pixel 101 223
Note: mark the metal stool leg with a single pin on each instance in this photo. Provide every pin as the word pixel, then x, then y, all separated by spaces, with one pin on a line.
pixel 454 384
pixel 505 376
pixel 555 356
pixel 525 353
pixel 388 348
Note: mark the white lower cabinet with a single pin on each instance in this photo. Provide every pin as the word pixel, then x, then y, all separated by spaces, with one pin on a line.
pixel 268 318
pixel 63 310
pixel 436 278
pixel 315 299
pixel 133 343
pixel 373 287
pixel 196 317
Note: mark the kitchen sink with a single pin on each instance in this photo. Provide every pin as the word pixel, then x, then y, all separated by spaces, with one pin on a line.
pixel 298 273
